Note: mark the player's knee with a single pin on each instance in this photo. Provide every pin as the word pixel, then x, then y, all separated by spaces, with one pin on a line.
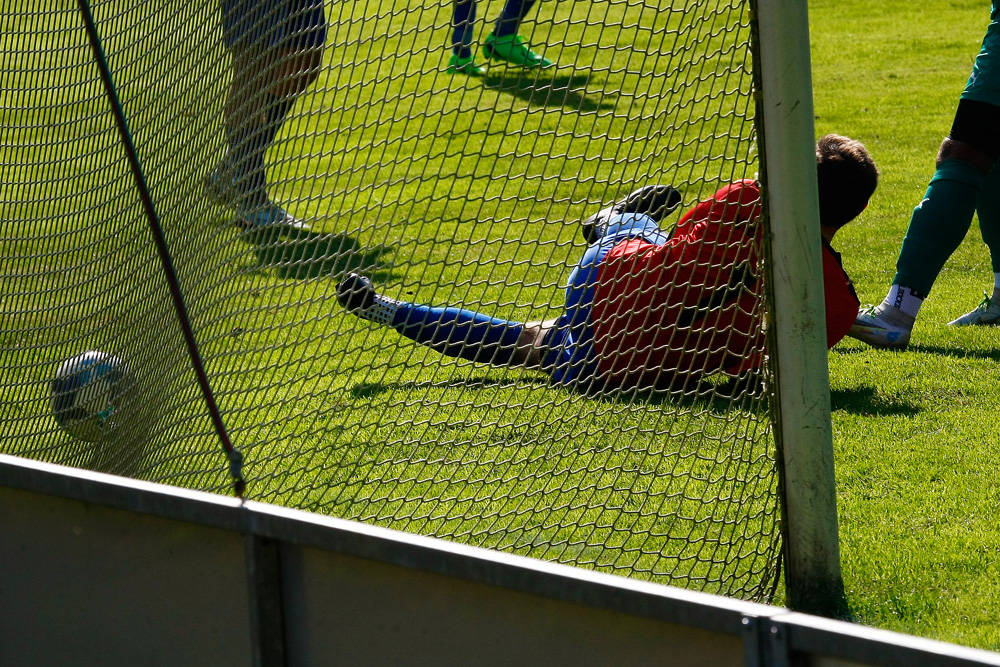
pixel 527 354
pixel 975 135
pixel 531 346
pixel 959 150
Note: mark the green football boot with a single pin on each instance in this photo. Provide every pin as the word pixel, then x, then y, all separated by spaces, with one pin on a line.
pixel 514 50
pixel 465 65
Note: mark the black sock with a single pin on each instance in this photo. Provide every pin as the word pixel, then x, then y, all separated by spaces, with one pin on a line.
pixel 510 19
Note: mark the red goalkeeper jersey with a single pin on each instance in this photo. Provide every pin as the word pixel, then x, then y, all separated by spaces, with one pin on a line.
pixel 693 305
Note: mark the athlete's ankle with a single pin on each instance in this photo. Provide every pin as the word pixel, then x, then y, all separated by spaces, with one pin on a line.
pixel 901 305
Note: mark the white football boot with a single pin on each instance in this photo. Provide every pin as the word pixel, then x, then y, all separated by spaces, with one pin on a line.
pixel 883 326
pixel 985 314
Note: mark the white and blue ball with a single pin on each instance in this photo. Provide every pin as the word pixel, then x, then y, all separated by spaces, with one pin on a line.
pixel 88 392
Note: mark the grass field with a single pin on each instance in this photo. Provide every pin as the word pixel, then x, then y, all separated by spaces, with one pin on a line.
pixel 450 190
pixel 913 431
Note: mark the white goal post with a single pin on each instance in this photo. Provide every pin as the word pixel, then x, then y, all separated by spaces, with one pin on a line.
pixel 802 428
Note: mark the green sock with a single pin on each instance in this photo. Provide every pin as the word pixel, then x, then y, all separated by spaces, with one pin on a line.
pixel 938 225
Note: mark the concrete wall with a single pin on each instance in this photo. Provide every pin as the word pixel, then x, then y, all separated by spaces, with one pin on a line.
pixel 99 570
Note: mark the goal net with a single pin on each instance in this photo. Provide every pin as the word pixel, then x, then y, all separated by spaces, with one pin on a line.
pixel 447 189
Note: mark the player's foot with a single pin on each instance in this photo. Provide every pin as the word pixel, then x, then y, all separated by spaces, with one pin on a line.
pixel 268 217
pixel 514 50
pixel 883 326
pixel 656 201
pixel 985 314
pixel 355 292
pixel 220 187
pixel 465 65
pixel 357 295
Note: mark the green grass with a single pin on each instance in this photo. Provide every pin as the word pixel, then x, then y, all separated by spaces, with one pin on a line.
pixel 455 191
pixel 913 431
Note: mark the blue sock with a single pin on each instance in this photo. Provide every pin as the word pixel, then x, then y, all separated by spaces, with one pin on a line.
pixel 456 332
pixel 462 20
pixel 510 19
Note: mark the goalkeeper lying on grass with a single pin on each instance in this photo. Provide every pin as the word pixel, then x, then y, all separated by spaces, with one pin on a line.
pixel 646 308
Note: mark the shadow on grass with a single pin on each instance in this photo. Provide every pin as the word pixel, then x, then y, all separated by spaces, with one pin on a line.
pixel 716 394
pixel 866 401
pixel 307 255
pixel 369 390
pixel 958 352
pixel 549 88
pixel 704 395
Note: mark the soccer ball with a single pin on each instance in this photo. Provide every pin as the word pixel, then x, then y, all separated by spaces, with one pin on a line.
pixel 87 394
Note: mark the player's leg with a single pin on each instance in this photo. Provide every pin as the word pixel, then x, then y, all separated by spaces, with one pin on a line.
pixel 239 180
pixel 277 51
pixel 454 332
pixel 463 19
pixel 937 227
pixel 291 74
pixel 656 201
pixel 563 348
pixel 942 219
pixel 240 27
pixel 505 44
pixel 988 209
pixel 533 347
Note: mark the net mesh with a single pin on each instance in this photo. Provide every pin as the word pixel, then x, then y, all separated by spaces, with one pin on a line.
pixel 442 188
